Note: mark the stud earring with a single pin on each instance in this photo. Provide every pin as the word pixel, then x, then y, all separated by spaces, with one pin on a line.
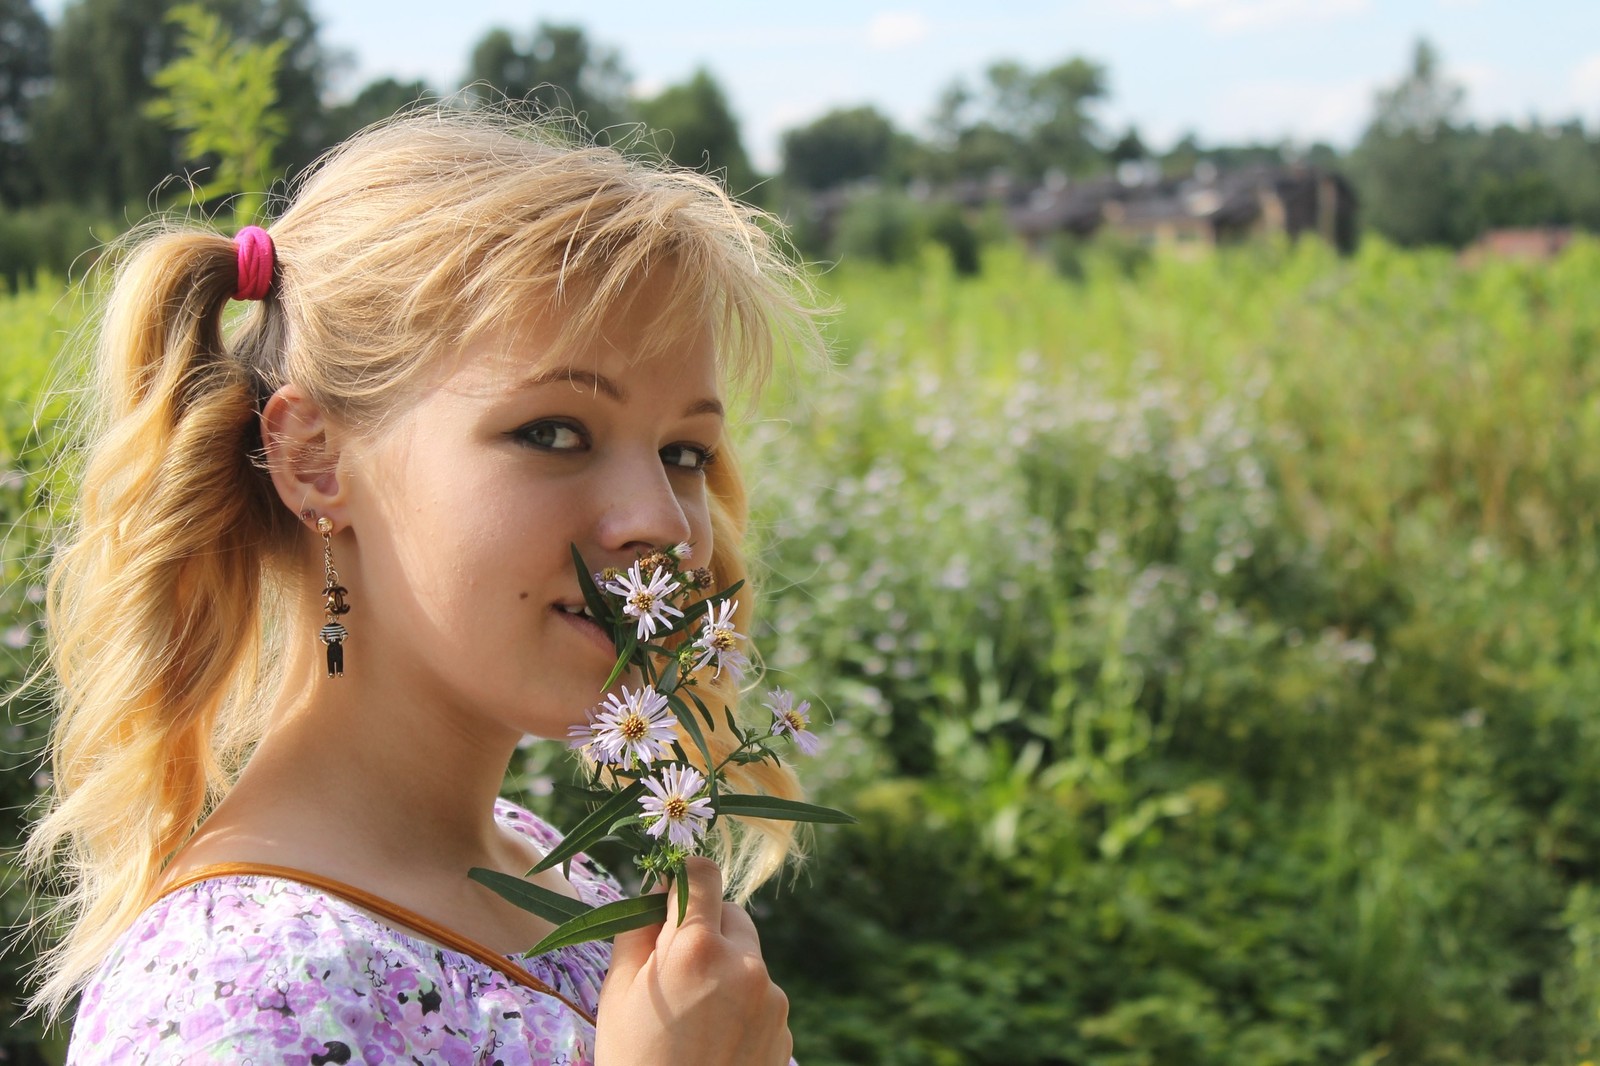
pixel 333 601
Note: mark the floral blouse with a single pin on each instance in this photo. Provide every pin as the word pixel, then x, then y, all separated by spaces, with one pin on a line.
pixel 256 969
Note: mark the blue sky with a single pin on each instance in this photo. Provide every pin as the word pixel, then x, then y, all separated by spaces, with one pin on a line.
pixel 1229 69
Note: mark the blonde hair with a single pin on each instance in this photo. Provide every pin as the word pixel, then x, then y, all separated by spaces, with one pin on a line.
pixel 167 592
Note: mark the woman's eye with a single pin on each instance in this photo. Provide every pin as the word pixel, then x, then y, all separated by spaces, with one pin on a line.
pixel 553 436
pixel 687 456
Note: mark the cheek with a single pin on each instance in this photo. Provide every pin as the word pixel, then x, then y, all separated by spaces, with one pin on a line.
pixel 701 535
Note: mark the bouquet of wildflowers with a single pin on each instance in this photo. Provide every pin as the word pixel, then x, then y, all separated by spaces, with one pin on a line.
pixel 641 787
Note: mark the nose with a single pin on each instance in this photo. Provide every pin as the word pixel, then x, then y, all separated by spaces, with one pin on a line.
pixel 642 508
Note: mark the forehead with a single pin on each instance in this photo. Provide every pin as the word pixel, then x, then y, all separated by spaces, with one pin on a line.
pixel 661 354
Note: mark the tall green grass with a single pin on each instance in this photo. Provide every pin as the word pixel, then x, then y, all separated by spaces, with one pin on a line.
pixel 1211 653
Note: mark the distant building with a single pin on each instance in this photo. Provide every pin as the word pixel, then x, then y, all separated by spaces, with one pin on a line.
pixel 1205 210
pixel 1186 215
pixel 1533 243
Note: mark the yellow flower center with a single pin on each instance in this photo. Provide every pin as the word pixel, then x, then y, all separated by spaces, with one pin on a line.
pixel 676 808
pixel 722 639
pixel 642 601
pixel 633 727
pixel 796 722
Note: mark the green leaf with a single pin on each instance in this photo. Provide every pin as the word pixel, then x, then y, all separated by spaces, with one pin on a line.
pixel 606 921
pixel 593 827
pixel 782 809
pixel 592 596
pixel 536 899
pixel 667 683
pixel 692 727
pixel 623 656
pixel 588 795
pixel 704 713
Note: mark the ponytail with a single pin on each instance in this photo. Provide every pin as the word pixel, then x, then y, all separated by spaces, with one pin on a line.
pixel 153 598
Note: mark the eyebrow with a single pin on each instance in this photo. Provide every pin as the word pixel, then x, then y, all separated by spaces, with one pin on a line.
pixel 605 386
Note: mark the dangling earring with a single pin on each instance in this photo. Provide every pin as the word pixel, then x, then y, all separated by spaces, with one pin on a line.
pixel 333 633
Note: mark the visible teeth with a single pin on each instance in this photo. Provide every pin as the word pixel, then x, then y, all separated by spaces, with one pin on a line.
pixel 583 610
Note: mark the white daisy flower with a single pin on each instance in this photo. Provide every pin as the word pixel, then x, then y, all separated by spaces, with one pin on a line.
pixel 672 807
pixel 719 642
pixel 791 721
pixel 636 726
pixel 646 600
pixel 581 739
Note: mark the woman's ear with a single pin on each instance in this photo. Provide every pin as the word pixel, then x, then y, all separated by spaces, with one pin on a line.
pixel 302 451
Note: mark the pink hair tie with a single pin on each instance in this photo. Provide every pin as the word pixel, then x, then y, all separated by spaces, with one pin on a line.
pixel 255 263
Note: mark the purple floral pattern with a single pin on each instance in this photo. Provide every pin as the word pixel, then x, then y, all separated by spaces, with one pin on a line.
pixel 255 969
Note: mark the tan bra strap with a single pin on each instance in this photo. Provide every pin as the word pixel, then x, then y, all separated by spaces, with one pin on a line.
pixel 378 905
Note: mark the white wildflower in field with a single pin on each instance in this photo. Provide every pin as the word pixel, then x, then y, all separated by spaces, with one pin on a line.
pixel 674 806
pixel 791 721
pixel 632 727
pixel 646 600
pixel 719 642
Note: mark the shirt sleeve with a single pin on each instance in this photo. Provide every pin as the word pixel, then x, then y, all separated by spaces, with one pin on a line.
pixel 221 973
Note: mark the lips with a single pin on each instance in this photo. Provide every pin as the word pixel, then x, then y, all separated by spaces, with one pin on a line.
pixel 578 618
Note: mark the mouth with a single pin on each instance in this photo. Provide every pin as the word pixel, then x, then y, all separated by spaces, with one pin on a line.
pixel 578 615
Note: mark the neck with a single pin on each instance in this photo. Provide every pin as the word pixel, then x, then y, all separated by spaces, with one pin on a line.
pixel 369 766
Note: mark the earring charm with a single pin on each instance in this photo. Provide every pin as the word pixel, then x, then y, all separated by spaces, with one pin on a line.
pixel 333 633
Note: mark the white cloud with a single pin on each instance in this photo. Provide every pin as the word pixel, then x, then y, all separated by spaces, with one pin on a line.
pixel 1302 111
pixel 1585 84
pixel 1482 81
pixel 644 88
pixel 1234 16
pixel 897 29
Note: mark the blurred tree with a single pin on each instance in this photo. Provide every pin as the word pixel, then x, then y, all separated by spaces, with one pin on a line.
pixel 376 101
pixel 303 74
pixel 1024 121
pixel 1572 160
pixel 561 69
pixel 1322 154
pixel 843 145
pixel 24 77
pixel 692 125
pixel 1185 154
pixel 1407 167
pixel 220 94
pixel 93 141
pixel 1129 148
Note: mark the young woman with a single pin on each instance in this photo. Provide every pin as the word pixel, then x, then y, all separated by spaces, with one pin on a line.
pixel 320 586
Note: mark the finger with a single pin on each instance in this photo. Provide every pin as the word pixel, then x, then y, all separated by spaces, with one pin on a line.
pixel 631 950
pixel 740 929
pixel 705 897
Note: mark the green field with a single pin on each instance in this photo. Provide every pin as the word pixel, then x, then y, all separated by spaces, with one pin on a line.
pixel 1212 648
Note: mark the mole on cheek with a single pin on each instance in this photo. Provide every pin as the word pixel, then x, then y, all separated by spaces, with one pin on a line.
pixel 522 596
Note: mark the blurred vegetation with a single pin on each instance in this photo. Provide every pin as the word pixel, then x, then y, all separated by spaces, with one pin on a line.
pixel 1211 654
pixel 33 328
pixel 1211 657
pixel 85 129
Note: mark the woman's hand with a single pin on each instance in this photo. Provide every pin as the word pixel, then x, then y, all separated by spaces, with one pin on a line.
pixel 695 994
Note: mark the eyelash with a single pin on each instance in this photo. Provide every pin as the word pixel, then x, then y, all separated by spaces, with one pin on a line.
pixel 707 456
